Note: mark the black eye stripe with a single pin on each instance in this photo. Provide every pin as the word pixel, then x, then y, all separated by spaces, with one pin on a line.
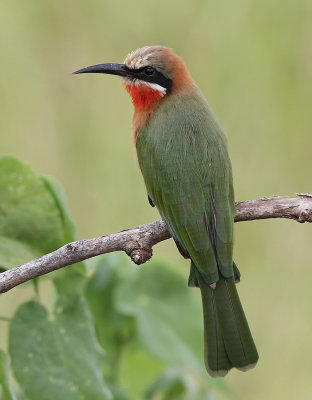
pixel 156 77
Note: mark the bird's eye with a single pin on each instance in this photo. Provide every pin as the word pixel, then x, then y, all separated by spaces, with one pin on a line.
pixel 149 70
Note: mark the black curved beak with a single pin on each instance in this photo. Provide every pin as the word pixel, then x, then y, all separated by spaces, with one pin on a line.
pixel 109 68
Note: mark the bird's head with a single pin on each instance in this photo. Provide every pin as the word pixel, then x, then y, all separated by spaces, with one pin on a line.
pixel 150 75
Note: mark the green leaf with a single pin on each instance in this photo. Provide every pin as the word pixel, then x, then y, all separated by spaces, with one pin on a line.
pixel 112 326
pixel 14 252
pixel 168 315
pixel 67 280
pixel 33 215
pixel 34 220
pixel 114 329
pixel 58 195
pixel 70 280
pixel 57 356
pixel 6 392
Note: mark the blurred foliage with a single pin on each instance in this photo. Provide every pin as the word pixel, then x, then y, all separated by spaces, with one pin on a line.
pixel 31 221
pixel 76 347
pixel 6 392
pixel 253 61
pixel 57 356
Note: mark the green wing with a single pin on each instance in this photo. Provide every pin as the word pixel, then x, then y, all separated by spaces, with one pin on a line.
pixel 184 161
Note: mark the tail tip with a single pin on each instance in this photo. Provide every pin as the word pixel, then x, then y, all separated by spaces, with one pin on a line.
pixel 247 367
pixel 218 373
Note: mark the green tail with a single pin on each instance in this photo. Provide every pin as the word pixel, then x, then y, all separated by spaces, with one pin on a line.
pixel 228 341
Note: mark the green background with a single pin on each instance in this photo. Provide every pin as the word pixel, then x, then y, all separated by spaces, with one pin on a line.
pixel 253 61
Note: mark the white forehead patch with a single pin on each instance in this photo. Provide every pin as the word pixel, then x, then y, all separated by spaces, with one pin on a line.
pixel 139 58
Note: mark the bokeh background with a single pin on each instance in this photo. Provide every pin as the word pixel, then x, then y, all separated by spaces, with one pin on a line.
pixel 253 61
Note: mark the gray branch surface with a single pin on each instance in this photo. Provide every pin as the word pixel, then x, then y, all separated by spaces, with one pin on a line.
pixel 138 242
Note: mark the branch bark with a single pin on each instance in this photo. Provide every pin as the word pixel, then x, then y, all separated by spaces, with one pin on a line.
pixel 138 242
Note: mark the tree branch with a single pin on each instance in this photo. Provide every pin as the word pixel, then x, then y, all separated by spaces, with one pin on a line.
pixel 138 242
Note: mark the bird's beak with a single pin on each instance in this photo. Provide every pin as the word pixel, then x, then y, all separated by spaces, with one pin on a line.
pixel 109 68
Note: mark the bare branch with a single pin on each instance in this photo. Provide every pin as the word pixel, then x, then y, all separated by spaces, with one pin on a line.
pixel 138 242
pixel 276 207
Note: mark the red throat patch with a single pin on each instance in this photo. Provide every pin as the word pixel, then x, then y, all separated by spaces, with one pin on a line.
pixel 143 96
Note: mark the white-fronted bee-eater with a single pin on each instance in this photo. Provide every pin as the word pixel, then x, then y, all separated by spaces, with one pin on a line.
pixel 183 156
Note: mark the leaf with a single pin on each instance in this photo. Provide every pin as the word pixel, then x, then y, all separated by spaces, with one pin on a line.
pixel 14 252
pixel 57 356
pixel 33 218
pixel 168 316
pixel 67 280
pixel 6 392
pixel 113 327
pixel 58 195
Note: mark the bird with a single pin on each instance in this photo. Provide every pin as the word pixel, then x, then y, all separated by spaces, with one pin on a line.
pixel 183 156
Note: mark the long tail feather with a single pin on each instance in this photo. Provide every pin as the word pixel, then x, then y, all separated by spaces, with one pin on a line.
pixel 228 341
